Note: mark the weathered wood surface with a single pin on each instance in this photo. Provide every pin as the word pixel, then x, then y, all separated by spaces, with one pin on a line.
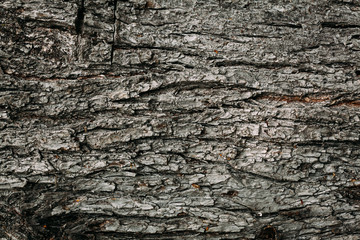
pixel 179 119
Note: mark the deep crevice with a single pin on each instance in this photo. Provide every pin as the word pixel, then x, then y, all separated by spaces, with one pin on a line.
pixel 349 3
pixel 48 24
pixel 79 20
pixel 113 43
pixel 269 65
pixel 112 54
pixel 338 25
pixel 128 47
pixel 289 25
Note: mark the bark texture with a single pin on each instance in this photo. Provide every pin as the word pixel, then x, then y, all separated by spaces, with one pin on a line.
pixel 179 119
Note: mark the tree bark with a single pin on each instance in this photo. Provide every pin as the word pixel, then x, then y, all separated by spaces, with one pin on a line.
pixel 187 119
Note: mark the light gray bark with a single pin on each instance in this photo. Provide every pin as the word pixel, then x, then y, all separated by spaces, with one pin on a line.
pixel 179 119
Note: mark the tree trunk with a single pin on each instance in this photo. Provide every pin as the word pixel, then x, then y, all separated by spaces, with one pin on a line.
pixel 183 119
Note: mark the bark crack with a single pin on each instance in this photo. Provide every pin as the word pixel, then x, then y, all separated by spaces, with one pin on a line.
pixel 79 20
